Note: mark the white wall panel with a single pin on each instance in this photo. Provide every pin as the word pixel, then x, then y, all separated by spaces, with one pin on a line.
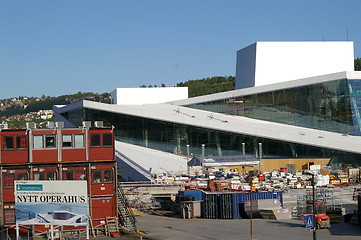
pixel 138 96
pixel 284 61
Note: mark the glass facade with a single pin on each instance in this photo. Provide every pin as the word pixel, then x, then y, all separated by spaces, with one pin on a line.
pixel 330 106
pixel 172 137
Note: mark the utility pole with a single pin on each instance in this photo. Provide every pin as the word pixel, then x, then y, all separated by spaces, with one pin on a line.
pixel 251 207
pixel 313 207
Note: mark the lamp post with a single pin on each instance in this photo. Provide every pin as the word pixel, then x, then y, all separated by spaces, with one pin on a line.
pixel 203 153
pixel 260 156
pixel 188 153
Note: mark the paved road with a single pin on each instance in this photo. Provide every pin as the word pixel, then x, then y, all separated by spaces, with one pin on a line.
pixel 164 228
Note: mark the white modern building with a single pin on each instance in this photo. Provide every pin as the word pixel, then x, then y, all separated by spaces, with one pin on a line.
pixel 309 112
pixel 153 95
pixel 264 63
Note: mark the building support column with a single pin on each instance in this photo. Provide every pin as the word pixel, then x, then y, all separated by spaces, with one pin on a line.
pixel 218 145
pixel 145 134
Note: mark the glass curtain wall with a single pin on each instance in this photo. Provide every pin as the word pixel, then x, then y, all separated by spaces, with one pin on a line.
pixel 331 106
pixel 171 137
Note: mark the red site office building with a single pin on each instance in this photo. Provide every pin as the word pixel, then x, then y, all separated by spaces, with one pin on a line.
pixel 59 153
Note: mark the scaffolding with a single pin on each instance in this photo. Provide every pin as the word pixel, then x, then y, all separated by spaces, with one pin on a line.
pixel 327 196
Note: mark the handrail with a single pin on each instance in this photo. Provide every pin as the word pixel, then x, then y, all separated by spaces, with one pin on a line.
pixel 133 162
pixel 126 206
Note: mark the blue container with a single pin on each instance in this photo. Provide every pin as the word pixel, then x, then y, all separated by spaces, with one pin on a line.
pixel 240 198
pixel 210 206
pixel 226 207
pixel 197 194
pixel 231 205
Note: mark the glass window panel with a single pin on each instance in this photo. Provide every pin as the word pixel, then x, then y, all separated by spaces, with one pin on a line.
pixel 95 140
pixel 68 175
pixel 9 143
pixel 22 176
pixel 50 176
pixel 9 215
pixel 67 141
pixel 80 175
pixel 79 141
pixel 9 180
pixel 38 142
pixel 50 141
pixel 39 176
pixel 20 142
pixel 107 140
pixel 97 177
pixel 108 178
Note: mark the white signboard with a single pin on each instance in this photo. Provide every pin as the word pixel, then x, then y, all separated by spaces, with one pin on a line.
pixel 51 203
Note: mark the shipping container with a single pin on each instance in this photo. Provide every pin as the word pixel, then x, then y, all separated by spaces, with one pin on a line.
pixel 231 205
pixel 198 194
pixel 226 209
pixel 240 198
pixel 210 206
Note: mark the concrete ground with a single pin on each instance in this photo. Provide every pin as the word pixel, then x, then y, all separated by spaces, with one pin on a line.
pixel 168 228
pixel 164 228
pixel 175 228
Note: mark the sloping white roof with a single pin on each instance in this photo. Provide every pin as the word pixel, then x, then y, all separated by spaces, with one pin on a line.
pixel 270 87
pixel 156 161
pixel 228 123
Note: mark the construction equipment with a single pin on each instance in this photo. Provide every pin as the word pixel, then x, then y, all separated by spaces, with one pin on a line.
pixel 321 219
pixel 317 206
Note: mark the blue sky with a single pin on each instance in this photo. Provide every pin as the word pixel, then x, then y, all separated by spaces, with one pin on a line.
pixel 63 47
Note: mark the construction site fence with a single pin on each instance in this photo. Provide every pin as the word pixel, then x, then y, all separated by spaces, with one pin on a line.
pixel 127 185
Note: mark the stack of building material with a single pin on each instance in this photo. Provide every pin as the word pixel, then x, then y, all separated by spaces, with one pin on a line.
pixel 276 214
pixel 267 209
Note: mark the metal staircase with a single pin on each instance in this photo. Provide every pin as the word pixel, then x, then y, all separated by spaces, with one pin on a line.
pixel 125 212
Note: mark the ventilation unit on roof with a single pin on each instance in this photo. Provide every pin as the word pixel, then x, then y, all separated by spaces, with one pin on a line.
pixel 50 124
pixel 98 124
pixel 87 124
pixel 3 126
pixel 59 124
pixel 30 125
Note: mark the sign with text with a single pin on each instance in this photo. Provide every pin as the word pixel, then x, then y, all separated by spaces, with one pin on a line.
pixel 51 203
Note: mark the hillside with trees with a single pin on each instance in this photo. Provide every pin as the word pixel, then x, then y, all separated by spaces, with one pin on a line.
pixel 23 105
pixel 208 85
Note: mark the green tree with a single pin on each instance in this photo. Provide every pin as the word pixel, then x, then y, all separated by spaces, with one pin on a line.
pixel 358 64
pixel 208 85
